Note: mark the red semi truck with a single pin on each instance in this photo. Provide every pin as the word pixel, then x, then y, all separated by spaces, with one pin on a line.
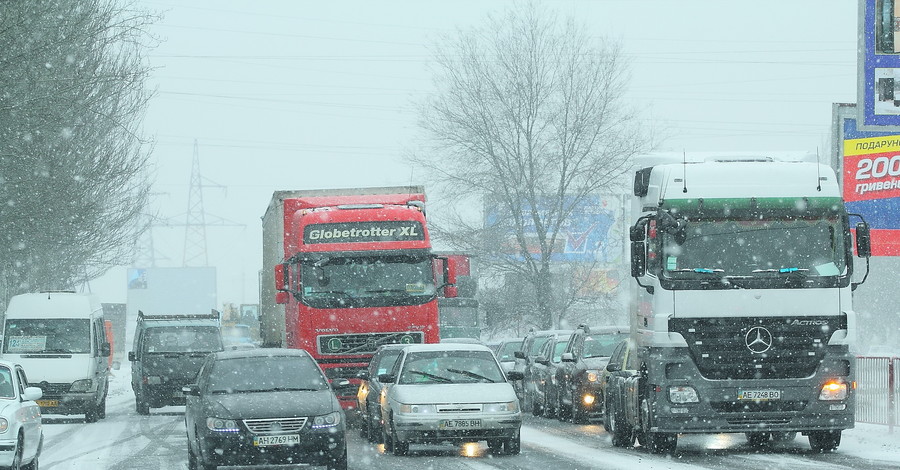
pixel 347 270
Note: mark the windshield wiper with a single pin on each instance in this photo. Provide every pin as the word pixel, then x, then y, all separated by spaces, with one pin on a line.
pixel 336 292
pixel 439 378
pixel 276 389
pixel 54 351
pixel 717 271
pixel 471 374
pixel 400 291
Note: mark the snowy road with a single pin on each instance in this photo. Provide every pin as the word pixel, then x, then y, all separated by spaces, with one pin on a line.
pixel 126 440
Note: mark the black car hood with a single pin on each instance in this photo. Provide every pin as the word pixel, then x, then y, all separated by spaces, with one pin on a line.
pixel 595 362
pixel 272 404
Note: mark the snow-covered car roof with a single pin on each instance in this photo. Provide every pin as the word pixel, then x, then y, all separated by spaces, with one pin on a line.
pixel 448 347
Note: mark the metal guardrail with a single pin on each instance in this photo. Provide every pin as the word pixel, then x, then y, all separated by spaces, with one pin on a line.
pixel 878 390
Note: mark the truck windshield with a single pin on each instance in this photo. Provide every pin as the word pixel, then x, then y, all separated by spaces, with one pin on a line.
pixel 178 339
pixel 51 335
pixel 367 281
pixel 757 248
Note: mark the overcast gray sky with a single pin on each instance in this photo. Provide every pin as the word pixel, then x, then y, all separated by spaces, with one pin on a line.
pixel 319 94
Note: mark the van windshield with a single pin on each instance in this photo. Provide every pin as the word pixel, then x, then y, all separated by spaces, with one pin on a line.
pixel 49 335
pixel 182 339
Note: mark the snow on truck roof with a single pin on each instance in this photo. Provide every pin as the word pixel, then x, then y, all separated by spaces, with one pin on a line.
pixel 54 304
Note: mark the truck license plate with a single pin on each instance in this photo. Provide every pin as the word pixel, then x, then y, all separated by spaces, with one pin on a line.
pixel 760 395
pixel 47 403
pixel 460 423
pixel 280 440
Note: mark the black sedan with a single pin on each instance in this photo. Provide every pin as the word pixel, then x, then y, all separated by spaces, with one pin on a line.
pixel 263 407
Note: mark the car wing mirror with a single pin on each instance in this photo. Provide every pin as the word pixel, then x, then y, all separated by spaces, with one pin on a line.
pixel 568 357
pixel 515 375
pixel 32 393
pixel 363 375
pixel 542 360
pixel 613 367
pixel 519 355
pixel 191 390
pixel 386 378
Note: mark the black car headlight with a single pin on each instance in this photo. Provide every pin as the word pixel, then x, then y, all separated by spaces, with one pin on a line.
pixel 222 425
pixel 327 421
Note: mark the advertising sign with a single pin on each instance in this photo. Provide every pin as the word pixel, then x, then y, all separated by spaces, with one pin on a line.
pixel 879 66
pixel 871 180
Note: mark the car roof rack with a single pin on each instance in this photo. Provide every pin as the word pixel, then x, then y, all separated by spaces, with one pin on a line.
pixel 213 315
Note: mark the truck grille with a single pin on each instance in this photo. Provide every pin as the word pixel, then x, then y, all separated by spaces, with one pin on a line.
pixel 365 343
pixel 757 348
pixel 275 425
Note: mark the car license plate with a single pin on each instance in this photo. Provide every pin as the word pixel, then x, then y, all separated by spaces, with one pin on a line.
pixel 460 423
pixel 280 440
pixel 760 395
pixel 47 403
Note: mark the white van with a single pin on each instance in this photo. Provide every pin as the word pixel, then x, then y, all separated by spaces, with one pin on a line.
pixel 59 338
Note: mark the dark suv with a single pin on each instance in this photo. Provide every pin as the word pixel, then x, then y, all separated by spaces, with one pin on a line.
pixel 578 381
pixel 168 352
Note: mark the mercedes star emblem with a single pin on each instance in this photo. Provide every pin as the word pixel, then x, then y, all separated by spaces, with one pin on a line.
pixel 758 340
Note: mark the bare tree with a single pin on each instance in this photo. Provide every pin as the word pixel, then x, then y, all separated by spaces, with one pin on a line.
pixel 529 115
pixel 73 177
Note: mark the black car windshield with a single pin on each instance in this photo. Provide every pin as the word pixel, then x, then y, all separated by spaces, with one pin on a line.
pixel 177 339
pixel 367 281
pixel 757 248
pixel 51 335
pixel 430 367
pixel 265 374
pixel 601 345
pixel 508 349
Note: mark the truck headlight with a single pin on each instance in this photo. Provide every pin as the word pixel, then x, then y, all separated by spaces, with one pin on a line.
pixel 417 409
pixel 222 425
pixel 327 421
pixel 593 375
pixel 833 390
pixel 508 407
pixel 81 386
pixel 683 394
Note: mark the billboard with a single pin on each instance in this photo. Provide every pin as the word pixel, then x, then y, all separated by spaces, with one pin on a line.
pixel 869 167
pixel 878 85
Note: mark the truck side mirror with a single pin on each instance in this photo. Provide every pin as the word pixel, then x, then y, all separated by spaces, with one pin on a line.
pixel 105 350
pixel 636 233
pixel 281 296
pixel 863 240
pixel 638 259
pixel 450 267
pixel 131 356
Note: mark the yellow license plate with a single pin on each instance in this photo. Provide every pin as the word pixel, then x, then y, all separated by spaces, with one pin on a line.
pixel 47 403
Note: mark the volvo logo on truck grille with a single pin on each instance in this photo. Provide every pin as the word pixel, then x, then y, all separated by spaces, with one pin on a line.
pixel 758 339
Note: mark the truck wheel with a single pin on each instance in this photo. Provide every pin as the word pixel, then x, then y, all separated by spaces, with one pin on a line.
pixel 563 412
pixel 657 442
pixel 141 406
pixel 537 409
pixel 824 441
pixel 372 433
pixel 621 432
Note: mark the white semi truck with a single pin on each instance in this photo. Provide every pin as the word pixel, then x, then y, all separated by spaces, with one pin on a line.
pixel 741 315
